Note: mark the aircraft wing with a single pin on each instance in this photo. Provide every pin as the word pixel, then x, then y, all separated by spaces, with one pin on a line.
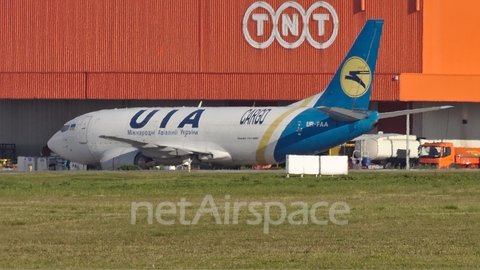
pixel 343 115
pixel 412 111
pixel 154 147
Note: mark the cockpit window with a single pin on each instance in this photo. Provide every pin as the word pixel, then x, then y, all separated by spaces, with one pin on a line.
pixel 65 128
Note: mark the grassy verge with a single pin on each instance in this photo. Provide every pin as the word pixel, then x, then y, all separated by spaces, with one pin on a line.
pixel 83 220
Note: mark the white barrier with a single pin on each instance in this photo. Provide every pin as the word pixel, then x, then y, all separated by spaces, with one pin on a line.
pixel 323 165
pixel 294 164
pixel 333 165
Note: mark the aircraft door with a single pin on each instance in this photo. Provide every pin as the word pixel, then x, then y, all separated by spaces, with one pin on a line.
pixel 82 130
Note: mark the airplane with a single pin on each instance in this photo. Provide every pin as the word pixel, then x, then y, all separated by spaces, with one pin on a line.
pixel 233 136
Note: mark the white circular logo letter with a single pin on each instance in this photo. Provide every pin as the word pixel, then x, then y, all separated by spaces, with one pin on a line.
pixel 290 25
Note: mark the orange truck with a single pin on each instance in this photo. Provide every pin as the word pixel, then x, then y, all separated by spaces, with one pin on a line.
pixel 446 155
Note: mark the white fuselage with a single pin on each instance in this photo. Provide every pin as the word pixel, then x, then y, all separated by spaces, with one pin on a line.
pixel 233 136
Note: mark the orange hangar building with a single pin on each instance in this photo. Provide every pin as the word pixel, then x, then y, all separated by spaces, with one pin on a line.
pixel 62 58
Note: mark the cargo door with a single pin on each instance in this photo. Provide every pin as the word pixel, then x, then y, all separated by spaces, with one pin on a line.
pixel 82 130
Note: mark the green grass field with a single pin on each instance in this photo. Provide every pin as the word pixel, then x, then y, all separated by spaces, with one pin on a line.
pixel 83 220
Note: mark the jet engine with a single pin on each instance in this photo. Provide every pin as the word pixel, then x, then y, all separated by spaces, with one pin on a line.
pixel 116 157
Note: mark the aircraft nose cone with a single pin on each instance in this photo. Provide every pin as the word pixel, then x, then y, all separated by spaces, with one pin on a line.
pixel 56 143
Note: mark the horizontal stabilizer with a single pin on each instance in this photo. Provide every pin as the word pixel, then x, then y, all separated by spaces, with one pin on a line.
pixel 412 111
pixel 342 115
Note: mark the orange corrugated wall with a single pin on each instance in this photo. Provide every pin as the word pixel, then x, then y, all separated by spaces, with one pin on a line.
pixel 219 86
pixel 439 87
pixel 451 40
pixel 42 85
pixel 450 54
pixel 191 49
pixel 99 36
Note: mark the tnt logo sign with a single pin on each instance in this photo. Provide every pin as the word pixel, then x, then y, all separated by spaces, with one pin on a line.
pixel 290 25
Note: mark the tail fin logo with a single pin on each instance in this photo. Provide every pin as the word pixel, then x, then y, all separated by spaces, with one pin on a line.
pixel 355 77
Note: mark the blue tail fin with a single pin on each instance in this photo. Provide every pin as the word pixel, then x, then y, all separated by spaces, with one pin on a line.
pixel 351 86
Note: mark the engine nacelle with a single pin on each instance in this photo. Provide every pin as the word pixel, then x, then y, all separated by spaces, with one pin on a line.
pixel 116 157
